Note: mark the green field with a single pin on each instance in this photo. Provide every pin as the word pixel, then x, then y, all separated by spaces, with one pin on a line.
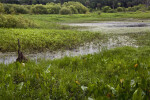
pixel 117 74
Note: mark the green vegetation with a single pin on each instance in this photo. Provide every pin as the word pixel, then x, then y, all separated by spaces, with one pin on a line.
pixel 9 21
pixel 49 8
pixel 43 39
pixel 142 39
pixel 65 11
pixel 1 8
pixel 93 4
pixel 76 18
pixel 122 73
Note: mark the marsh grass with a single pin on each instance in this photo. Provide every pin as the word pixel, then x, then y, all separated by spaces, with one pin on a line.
pixel 142 38
pixel 121 73
pixel 44 39
pixel 76 18
pixel 110 74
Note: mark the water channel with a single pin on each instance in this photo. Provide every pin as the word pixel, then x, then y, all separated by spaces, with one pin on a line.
pixel 89 48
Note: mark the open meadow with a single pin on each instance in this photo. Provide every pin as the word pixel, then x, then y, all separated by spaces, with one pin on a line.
pixel 111 63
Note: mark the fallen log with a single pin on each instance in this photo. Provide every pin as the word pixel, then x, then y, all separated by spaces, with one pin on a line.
pixel 21 57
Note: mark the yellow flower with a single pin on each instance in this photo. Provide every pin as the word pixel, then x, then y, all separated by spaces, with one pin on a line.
pixel 121 80
pixel 77 82
pixel 136 65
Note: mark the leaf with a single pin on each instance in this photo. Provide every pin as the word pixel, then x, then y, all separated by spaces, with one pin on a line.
pixel 138 94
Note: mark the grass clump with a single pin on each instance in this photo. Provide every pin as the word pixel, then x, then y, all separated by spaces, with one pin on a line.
pixel 142 39
pixel 10 21
pixel 111 74
pixel 43 39
pixel 65 11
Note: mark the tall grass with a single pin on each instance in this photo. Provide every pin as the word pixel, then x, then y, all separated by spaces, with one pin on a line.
pixel 44 39
pixel 113 74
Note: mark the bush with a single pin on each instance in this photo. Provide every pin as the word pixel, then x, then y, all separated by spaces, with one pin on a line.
pixel 7 8
pixel 39 9
pixel 80 7
pixel 120 9
pixel 20 9
pixel 106 9
pixel 130 9
pixel 65 11
pixel 98 12
pixel 137 8
pixel 15 9
pixel 1 8
pixel 73 9
pixel 53 8
pixel 9 21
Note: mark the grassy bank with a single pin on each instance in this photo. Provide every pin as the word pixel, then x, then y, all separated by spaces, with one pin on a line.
pixel 88 17
pixel 122 73
pixel 44 39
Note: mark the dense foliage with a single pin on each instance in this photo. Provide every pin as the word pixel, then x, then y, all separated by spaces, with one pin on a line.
pixel 88 3
pixel 49 8
pixel 43 39
pixel 121 74
pixel 9 21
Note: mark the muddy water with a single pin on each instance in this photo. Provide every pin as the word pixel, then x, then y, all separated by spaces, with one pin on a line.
pixel 115 27
pixel 88 48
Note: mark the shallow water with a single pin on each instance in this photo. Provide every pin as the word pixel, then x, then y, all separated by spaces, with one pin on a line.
pixel 115 26
pixel 88 48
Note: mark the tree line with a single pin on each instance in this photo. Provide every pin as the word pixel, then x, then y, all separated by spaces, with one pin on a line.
pixel 94 4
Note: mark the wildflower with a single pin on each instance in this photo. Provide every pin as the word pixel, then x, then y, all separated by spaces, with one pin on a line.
pixel 77 82
pixel 84 88
pixel 136 65
pixel 121 80
pixel 23 64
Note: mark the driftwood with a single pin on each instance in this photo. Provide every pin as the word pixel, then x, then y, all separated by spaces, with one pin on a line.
pixel 21 57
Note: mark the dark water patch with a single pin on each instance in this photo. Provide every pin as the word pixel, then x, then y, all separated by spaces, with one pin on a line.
pixel 88 48
pixel 114 26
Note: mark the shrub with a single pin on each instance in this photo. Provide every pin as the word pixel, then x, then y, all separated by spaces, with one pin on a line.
pixel 39 9
pixel 65 11
pixel 106 9
pixel 98 12
pixel 120 9
pixel 9 21
pixel 80 7
pixel 7 8
pixel 20 9
pixel 73 9
pixel 130 9
pixel 1 8
pixel 53 8
pixel 15 9
pixel 137 8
